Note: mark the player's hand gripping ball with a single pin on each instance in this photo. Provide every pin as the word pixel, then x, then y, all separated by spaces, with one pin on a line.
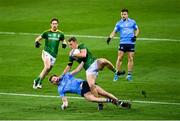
pixel 74 52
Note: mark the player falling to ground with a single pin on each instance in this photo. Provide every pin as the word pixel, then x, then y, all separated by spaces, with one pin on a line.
pixel 69 84
pixel 52 38
pixel 128 32
pixel 85 59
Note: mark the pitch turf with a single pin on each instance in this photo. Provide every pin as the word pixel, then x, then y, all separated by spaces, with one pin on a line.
pixel 156 69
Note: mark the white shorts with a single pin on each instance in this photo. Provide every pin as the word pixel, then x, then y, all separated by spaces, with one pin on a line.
pixel 46 55
pixel 93 69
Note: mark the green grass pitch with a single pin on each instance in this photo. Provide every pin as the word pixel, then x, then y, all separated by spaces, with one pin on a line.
pixel 156 69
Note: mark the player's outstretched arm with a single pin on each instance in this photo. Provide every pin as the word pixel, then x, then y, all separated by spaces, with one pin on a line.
pixel 68 68
pixel 65 103
pixel 78 69
pixel 113 33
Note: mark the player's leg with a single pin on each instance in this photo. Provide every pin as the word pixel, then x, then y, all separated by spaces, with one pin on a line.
pixel 104 93
pixel 118 65
pixel 92 73
pixel 85 89
pixel 47 67
pixel 90 97
pixel 111 98
pixel 130 65
pixel 44 72
pixel 91 78
pixel 102 62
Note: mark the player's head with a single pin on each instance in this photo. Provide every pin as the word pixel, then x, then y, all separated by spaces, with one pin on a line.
pixel 54 24
pixel 73 42
pixel 54 79
pixel 124 14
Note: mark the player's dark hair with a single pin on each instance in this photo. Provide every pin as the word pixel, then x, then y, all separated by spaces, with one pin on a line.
pixel 54 19
pixel 51 77
pixel 124 10
pixel 72 39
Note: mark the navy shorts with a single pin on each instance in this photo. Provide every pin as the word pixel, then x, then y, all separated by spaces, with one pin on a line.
pixel 85 88
pixel 127 47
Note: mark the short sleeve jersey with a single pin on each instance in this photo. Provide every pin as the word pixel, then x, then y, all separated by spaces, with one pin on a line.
pixel 88 60
pixel 126 30
pixel 52 40
pixel 69 84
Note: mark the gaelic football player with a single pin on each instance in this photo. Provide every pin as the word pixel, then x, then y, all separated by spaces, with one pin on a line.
pixel 52 39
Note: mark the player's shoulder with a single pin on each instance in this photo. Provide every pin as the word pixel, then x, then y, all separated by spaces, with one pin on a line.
pixel 119 22
pixel 45 33
pixel 81 46
pixel 131 20
pixel 59 31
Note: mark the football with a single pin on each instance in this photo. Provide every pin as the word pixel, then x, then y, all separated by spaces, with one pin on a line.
pixel 74 52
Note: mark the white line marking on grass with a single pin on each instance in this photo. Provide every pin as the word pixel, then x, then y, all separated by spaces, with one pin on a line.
pixel 89 36
pixel 50 96
pixel 32 95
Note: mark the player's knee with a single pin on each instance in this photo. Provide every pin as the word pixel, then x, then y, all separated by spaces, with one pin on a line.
pixel 119 58
pixel 48 68
pixel 92 86
pixel 102 63
pixel 88 96
pixel 130 59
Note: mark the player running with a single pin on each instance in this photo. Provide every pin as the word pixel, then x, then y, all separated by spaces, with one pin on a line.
pixel 69 84
pixel 52 38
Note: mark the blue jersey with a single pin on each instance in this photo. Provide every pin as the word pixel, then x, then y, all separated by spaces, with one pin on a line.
pixel 126 30
pixel 69 84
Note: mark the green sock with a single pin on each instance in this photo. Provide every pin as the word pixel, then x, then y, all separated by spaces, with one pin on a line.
pixel 40 81
pixel 37 79
pixel 114 70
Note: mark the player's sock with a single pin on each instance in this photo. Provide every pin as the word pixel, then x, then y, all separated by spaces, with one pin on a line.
pixel 113 101
pixel 40 81
pixel 108 100
pixel 36 82
pixel 114 70
pixel 129 72
pixel 37 79
pixel 119 73
pixel 39 86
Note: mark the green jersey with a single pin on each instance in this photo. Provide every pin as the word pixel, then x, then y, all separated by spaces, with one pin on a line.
pixel 88 60
pixel 52 40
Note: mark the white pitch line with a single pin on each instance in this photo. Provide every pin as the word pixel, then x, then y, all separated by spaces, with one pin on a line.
pixel 89 36
pixel 50 96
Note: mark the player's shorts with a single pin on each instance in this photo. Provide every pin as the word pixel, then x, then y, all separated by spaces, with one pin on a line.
pixel 127 47
pixel 85 88
pixel 46 55
pixel 93 69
